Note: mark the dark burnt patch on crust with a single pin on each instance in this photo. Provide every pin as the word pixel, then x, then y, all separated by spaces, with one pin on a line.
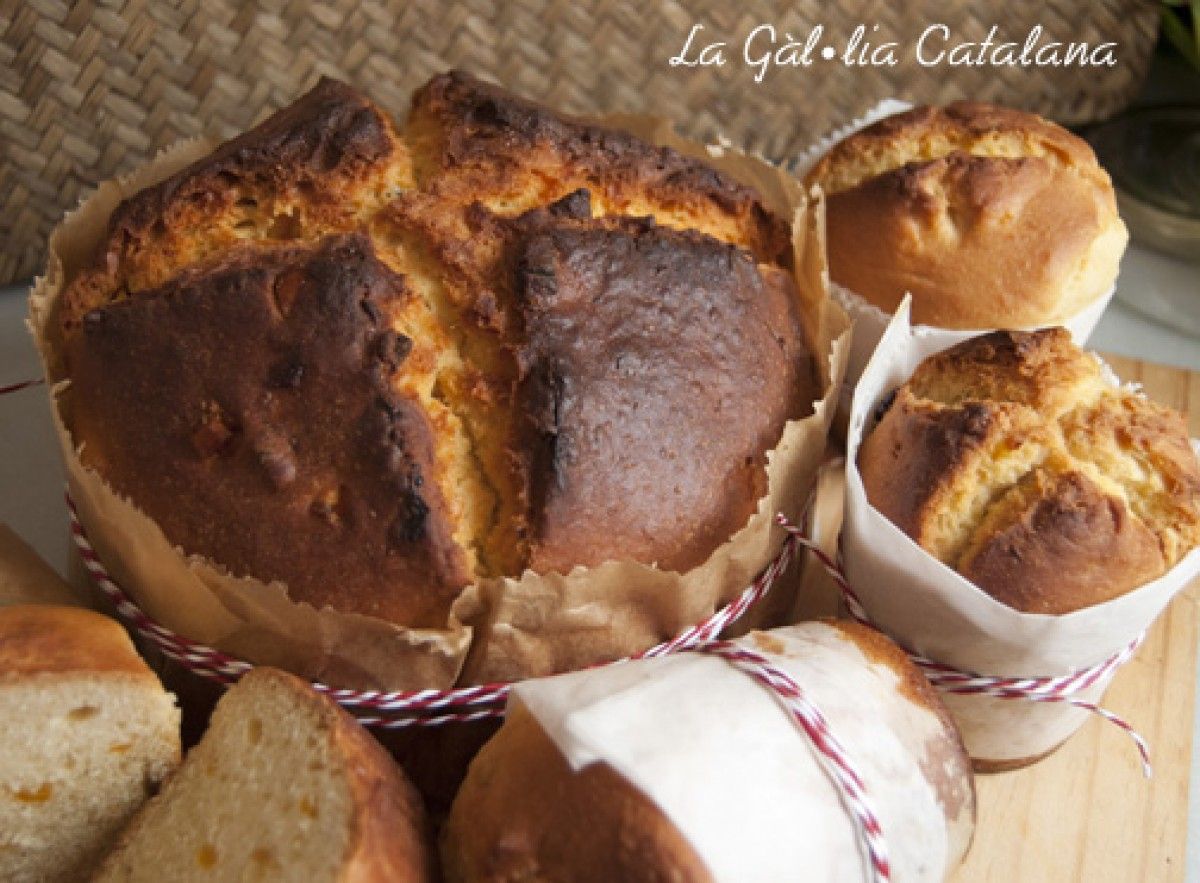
pixel 656 368
pixel 328 135
pixel 268 438
pixel 332 165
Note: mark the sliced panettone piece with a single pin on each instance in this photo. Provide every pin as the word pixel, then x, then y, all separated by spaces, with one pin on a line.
pixel 283 786
pixel 88 733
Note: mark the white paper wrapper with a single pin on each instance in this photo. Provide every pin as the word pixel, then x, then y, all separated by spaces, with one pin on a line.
pixel 867 320
pixel 932 610
pixel 722 759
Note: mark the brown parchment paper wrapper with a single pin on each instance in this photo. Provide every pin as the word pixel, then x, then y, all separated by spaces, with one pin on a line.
pixel 933 610
pixel 511 628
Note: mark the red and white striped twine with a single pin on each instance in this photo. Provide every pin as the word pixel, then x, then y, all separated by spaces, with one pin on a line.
pixel 404 708
pixel 393 710
pixel 838 764
pixel 428 708
pixel 17 387
pixel 948 679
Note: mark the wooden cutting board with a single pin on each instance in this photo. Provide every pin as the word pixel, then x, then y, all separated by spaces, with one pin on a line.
pixel 1086 813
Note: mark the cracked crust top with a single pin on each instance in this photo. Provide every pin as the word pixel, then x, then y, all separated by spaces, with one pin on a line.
pixel 989 217
pixel 379 364
pixel 1010 459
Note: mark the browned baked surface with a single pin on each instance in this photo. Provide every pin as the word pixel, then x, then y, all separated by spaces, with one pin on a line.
pixel 48 640
pixel 989 217
pixel 88 734
pixel 272 440
pixel 593 470
pixel 392 839
pixel 524 815
pixel 1010 459
pixel 514 369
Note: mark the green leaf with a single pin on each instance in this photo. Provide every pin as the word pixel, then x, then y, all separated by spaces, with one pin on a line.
pixel 1178 36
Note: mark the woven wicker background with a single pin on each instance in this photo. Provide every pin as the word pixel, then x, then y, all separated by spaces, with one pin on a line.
pixel 89 91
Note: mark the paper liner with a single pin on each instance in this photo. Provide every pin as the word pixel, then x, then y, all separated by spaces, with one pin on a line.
pixel 532 625
pixel 932 610
pixel 868 320
pixel 730 769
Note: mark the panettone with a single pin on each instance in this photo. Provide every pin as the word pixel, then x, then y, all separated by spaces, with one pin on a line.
pixel 989 217
pixel 379 365
pixel 1012 459
pixel 89 734
pixel 552 797
pixel 284 786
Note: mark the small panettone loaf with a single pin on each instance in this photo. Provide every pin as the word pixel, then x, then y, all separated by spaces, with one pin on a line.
pixel 379 365
pixel 989 217
pixel 1012 460
pixel 88 733
pixel 284 786
pixel 686 769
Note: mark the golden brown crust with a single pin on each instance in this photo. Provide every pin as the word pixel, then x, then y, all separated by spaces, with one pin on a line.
pixel 1055 553
pixel 44 640
pixel 1010 459
pixel 304 168
pixel 927 130
pixel 417 445
pixel 989 217
pixel 390 836
pixel 524 815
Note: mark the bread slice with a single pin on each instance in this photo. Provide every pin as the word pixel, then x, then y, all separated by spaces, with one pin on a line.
pixel 283 786
pixel 88 732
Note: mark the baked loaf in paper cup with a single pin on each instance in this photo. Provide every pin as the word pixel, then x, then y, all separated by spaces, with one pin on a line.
pixel 494 394
pixel 989 217
pixel 1017 461
pixel 685 768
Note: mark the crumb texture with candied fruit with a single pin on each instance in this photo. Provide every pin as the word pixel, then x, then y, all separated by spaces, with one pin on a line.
pixel 283 786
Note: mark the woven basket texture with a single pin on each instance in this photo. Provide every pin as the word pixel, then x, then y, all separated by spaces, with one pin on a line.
pixel 91 90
